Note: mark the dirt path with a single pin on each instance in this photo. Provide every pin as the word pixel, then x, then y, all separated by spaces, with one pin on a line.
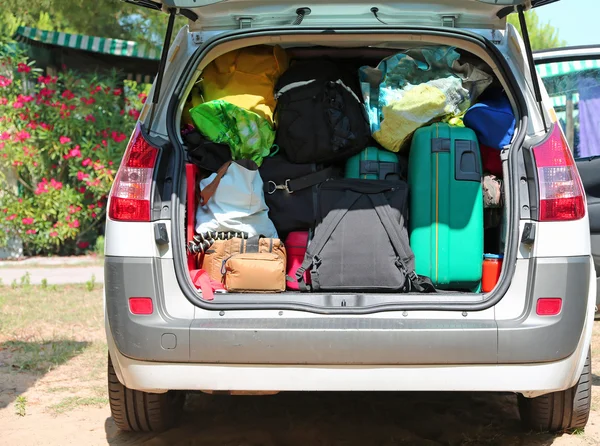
pixel 305 419
pixel 53 393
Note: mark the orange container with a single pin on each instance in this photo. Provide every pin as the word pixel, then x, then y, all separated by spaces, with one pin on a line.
pixel 492 265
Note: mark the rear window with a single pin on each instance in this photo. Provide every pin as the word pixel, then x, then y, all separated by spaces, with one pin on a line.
pixel 574 88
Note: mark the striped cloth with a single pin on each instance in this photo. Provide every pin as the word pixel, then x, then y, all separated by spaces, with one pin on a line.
pixel 547 70
pixel 115 47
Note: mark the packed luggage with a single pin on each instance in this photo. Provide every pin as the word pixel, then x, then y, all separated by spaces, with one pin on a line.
pixel 380 179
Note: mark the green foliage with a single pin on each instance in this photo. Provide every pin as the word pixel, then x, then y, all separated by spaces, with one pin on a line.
pixel 61 141
pixel 99 247
pixel 90 284
pixel 21 406
pixel 541 35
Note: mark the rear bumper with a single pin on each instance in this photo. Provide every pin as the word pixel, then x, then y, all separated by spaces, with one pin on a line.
pixel 392 338
pixel 529 379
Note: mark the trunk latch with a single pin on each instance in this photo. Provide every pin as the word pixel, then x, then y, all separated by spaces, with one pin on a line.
pixel 449 21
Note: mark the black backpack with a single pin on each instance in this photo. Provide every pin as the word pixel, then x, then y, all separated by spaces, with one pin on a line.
pixel 320 117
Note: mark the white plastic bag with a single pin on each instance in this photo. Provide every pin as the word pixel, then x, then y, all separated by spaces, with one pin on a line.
pixel 233 200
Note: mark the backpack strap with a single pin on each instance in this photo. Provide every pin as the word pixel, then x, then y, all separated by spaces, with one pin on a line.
pixel 405 255
pixel 252 244
pixel 326 228
pixel 303 182
pixel 207 193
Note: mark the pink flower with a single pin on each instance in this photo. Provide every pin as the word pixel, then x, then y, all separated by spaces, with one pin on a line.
pixel 46 126
pixel 18 104
pixel 94 215
pixel 32 125
pixel 56 184
pixel 118 137
pixel 42 187
pixel 122 112
pixel 68 94
pixel 31 231
pixel 5 82
pixel 82 176
pixel 5 135
pixel 64 140
pixel 17 163
pixel 104 143
pixel 21 136
pixel 23 68
pixel 87 101
pixel 91 206
pixel 3 101
pixel 75 152
pixel 86 162
pixel 89 118
pixel 27 221
pixel 74 224
pixel 54 234
pixel 81 190
pixel 83 245
pixel 46 92
pixel 11 217
pixel 24 99
pixel 117 91
pixel 134 113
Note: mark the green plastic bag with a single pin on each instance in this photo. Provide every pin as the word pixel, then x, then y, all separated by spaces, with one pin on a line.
pixel 248 135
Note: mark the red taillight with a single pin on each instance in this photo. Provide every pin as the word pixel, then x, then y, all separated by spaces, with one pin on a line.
pixel 561 192
pixel 140 305
pixel 548 306
pixel 130 194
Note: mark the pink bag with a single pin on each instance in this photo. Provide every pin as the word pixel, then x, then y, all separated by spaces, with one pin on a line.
pixel 295 245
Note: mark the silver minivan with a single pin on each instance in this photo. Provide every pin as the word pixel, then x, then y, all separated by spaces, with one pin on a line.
pixel 530 335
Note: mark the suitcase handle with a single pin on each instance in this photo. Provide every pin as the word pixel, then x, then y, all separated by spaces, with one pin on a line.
pixel 467 160
pixel 380 168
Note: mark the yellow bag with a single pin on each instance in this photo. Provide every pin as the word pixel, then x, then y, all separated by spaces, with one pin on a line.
pixel 246 78
pixel 194 99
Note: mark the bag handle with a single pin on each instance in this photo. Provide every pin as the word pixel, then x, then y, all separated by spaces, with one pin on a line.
pixel 207 193
pixel 405 255
pixel 329 224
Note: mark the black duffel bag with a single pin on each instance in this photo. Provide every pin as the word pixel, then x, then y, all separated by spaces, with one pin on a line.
pixel 205 154
pixel 361 241
pixel 320 118
pixel 290 191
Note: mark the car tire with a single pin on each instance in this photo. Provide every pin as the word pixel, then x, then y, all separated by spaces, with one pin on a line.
pixel 564 411
pixel 137 411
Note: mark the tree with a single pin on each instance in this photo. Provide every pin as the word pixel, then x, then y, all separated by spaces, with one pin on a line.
pixel 106 18
pixel 541 35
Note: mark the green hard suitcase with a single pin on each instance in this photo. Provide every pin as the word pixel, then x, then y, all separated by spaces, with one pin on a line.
pixel 446 206
pixel 374 164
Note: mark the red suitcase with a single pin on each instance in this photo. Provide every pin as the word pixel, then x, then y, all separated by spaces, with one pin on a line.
pixel 295 245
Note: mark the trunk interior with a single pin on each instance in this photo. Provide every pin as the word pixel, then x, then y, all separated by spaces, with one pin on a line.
pixel 494 216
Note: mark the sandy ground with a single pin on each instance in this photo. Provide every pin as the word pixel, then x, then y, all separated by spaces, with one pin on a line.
pixel 67 405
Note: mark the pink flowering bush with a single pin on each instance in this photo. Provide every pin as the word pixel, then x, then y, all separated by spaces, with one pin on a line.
pixel 61 142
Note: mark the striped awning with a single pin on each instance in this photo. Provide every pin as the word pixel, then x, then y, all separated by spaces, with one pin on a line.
pixel 547 70
pixel 102 45
pixel 561 101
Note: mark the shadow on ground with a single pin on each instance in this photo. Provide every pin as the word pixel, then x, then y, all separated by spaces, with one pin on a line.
pixel 343 418
pixel 23 363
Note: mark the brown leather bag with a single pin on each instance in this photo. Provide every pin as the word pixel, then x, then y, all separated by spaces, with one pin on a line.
pixel 212 260
pixel 255 272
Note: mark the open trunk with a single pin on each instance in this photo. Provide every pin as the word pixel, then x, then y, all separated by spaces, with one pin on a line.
pixel 365 47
